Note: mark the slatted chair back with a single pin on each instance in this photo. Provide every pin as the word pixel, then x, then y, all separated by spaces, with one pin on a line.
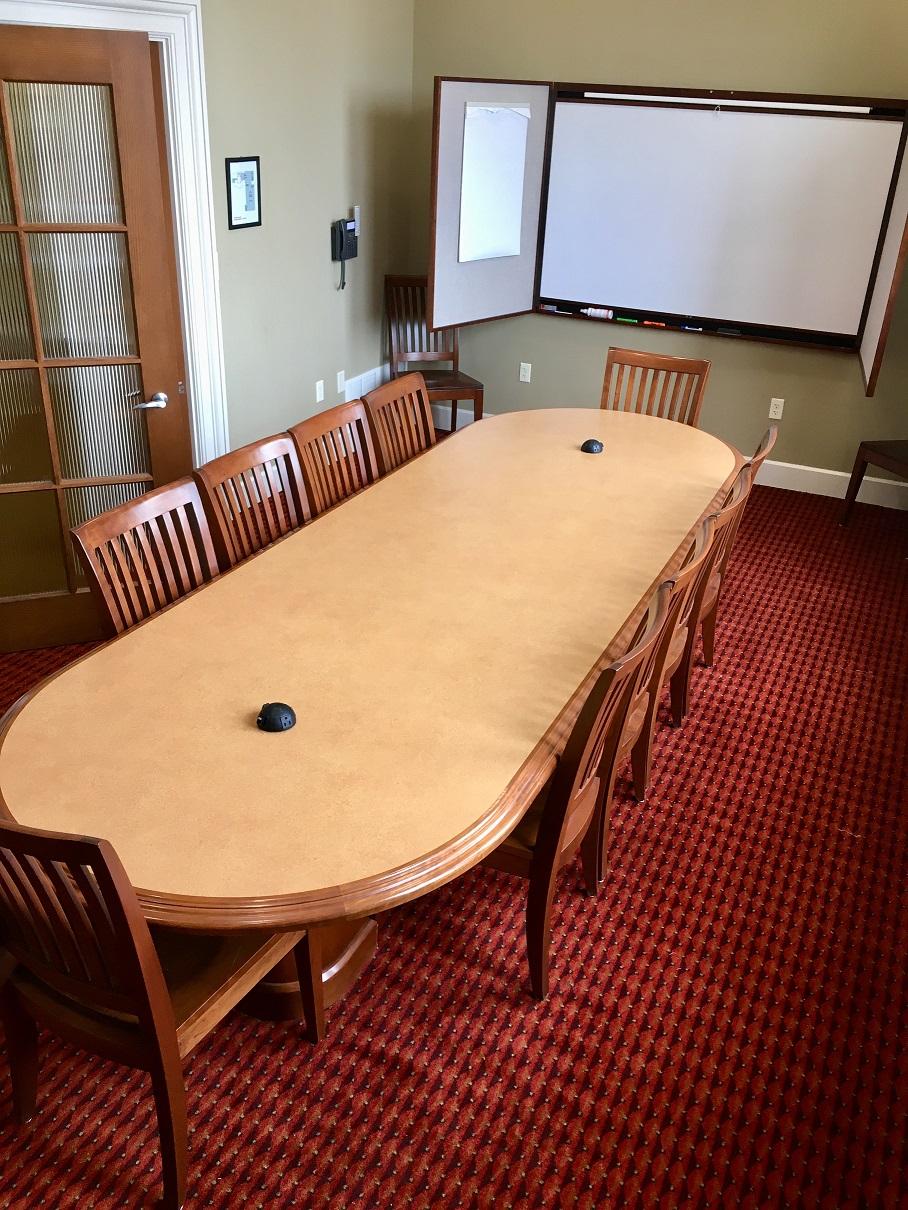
pixel 764 449
pixel 70 917
pixel 592 747
pixel 336 454
pixel 654 385
pixel 253 496
pixel 401 419
pixel 688 582
pixel 410 337
pixel 730 528
pixel 147 553
pixel 728 519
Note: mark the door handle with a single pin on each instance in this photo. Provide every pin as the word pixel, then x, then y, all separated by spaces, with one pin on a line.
pixel 158 400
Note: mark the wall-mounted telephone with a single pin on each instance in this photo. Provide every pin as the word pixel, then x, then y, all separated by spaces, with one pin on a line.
pixel 343 244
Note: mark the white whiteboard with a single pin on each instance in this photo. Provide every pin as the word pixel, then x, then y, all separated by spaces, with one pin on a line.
pixel 756 217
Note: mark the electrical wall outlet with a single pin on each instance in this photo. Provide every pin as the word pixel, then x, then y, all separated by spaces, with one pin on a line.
pixel 320 391
pixel 526 371
pixel 341 380
pixel 776 408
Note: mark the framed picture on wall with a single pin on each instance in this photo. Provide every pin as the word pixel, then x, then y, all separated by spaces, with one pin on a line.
pixel 244 192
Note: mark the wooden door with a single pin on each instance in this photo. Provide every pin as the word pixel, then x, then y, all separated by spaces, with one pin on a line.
pixel 89 315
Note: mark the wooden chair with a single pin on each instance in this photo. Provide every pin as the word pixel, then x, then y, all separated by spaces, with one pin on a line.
pixel 685 587
pixel 892 456
pixel 253 496
pixel 90 970
pixel 572 812
pixel 654 384
pixel 336 454
pixel 414 342
pixel 401 420
pixel 725 525
pixel 709 608
pixel 146 554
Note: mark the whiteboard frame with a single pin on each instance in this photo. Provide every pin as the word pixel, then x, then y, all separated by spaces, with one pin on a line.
pixel 889 270
pixel 795 104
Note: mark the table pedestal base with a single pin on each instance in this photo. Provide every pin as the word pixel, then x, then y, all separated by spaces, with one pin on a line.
pixel 346 947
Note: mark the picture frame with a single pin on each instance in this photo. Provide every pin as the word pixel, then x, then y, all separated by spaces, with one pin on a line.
pixel 244 191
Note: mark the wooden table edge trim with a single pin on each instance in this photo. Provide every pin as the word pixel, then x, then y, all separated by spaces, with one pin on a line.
pixel 391 888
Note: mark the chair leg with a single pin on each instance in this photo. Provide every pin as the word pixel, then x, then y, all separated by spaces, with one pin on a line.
pixel 642 751
pixel 708 633
pixel 170 1102
pixel 477 405
pixel 22 1051
pixel 539 931
pixel 679 686
pixel 589 857
pixel 854 486
pixel 594 849
pixel 453 415
pixel 308 956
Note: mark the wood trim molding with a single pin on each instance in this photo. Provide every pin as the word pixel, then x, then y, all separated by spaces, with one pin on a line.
pixel 177 25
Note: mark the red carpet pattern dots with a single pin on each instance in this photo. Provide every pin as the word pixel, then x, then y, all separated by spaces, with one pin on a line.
pixel 727 1020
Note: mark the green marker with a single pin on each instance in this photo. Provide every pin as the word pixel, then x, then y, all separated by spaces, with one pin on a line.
pixel 622 319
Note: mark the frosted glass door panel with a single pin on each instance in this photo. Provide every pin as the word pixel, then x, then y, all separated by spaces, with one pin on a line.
pixel 66 152
pixel 491 190
pixel 15 333
pixel 24 445
pixel 6 201
pixel 31 542
pixel 99 432
pixel 84 294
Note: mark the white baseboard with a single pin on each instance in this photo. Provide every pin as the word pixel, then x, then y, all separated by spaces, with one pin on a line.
pixel 819 481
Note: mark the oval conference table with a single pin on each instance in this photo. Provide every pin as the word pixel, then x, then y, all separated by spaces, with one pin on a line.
pixel 435 635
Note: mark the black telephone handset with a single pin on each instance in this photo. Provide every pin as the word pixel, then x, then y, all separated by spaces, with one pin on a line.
pixel 343 244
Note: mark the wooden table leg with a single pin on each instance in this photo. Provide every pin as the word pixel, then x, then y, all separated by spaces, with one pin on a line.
pixel 854 485
pixel 346 946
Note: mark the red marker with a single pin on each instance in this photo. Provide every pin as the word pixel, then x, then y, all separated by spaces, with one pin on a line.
pixel 652 323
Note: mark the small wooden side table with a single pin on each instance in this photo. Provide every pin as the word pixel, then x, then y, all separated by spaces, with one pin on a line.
pixel 890 455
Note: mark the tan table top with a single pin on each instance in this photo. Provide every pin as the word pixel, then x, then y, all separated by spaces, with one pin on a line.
pixel 427 633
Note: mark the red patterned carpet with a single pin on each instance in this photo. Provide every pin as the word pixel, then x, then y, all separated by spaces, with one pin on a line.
pixel 727 1021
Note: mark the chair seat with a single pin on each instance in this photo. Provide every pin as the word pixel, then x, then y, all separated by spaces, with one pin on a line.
pixel 196 969
pixel 450 380
pixel 198 966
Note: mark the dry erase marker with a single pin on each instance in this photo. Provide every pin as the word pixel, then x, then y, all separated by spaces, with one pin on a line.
pixel 729 331
pixel 688 328
pixel 652 323
pixel 553 310
pixel 624 319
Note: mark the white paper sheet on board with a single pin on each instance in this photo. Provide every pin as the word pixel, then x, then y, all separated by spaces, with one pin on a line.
pixel 491 192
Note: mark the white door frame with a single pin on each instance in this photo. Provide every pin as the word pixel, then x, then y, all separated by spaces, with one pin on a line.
pixel 177 25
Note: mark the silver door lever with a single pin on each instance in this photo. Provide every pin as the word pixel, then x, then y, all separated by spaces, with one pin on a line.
pixel 158 400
